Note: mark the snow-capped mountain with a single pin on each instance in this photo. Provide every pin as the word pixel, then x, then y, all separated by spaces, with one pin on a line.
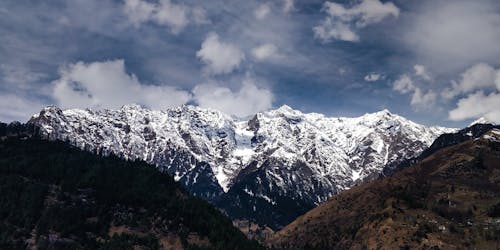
pixel 481 120
pixel 251 168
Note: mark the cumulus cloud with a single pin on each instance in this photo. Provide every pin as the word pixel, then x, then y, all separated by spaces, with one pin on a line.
pixel 107 85
pixel 219 57
pixel 246 101
pixel 477 105
pixel 341 23
pixel 421 72
pixel 330 29
pixel 372 77
pixel 450 35
pixel 264 51
pixel 165 12
pixel 481 83
pixel 479 76
pixel 420 100
pixel 404 84
pixel 262 11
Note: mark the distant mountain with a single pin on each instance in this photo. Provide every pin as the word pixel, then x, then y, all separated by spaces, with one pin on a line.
pixel 445 140
pixel 55 196
pixel 449 200
pixel 482 120
pixel 269 169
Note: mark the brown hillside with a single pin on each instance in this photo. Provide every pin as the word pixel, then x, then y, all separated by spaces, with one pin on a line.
pixel 450 200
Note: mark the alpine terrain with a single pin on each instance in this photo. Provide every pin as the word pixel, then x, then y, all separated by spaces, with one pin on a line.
pixel 450 199
pixel 269 168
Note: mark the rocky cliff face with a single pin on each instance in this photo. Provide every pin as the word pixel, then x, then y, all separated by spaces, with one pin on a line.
pixel 450 199
pixel 270 168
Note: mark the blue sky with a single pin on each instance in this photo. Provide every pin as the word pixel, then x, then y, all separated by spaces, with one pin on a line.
pixel 435 62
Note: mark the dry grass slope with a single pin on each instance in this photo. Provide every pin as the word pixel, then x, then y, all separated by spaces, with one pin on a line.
pixel 450 200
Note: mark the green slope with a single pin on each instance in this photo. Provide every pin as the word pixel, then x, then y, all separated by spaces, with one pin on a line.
pixel 55 196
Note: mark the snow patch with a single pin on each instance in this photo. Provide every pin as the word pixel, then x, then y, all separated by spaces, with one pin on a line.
pixel 243 137
pixel 265 197
pixel 223 180
pixel 356 174
pixel 488 137
pixel 312 156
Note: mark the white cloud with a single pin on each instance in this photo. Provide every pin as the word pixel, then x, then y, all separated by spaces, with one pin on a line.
pixel 249 100
pixel 330 29
pixel 484 102
pixel 450 35
pixel 172 15
pixel 341 23
pixel 420 100
pixel 288 5
pixel 479 76
pixel 138 11
pixel 262 11
pixel 264 51
pixel 422 72
pixel 108 85
pixel 219 57
pixel 165 12
pixel 372 77
pixel 404 84
pixel 17 108
pixel 477 105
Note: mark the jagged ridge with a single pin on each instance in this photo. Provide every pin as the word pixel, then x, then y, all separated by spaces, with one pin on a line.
pixel 277 157
pixel 448 200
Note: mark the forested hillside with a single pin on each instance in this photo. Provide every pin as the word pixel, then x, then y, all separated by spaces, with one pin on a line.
pixel 55 196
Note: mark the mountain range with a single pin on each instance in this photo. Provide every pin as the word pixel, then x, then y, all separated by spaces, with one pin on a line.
pixel 449 199
pixel 268 169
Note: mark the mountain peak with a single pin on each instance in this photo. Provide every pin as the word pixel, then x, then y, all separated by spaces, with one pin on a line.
pixel 286 111
pixel 383 112
pixel 51 108
pixel 447 166
pixel 481 120
pixel 132 106
pixel 211 153
pixel 285 107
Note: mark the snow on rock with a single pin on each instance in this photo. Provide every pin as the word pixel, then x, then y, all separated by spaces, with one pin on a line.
pixel 307 155
pixel 482 120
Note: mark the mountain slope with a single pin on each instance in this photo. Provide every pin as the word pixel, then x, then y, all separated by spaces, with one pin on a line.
pixel 55 196
pixel 445 140
pixel 270 169
pixel 449 200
